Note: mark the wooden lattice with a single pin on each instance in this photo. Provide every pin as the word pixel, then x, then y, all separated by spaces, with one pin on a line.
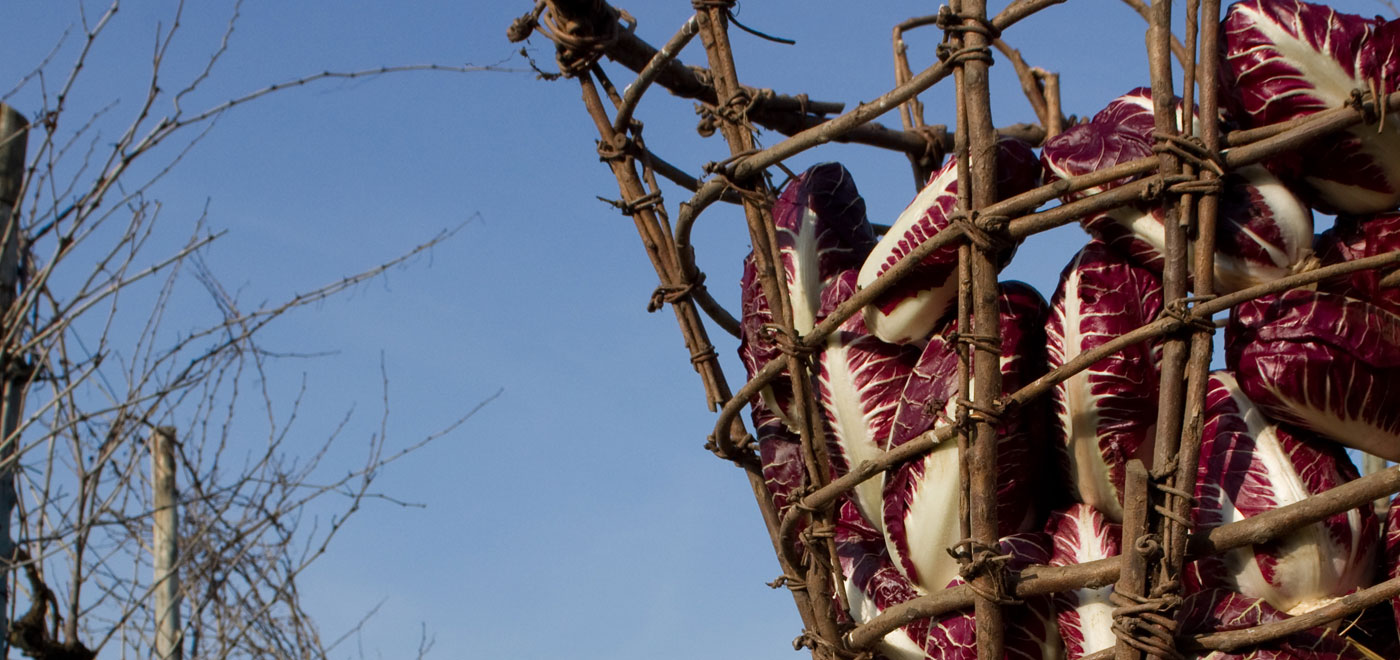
pixel 1182 174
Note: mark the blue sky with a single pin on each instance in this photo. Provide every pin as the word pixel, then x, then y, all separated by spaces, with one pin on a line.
pixel 577 514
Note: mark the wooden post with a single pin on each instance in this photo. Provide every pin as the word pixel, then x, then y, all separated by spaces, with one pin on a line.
pixel 14 137
pixel 1132 577
pixel 164 544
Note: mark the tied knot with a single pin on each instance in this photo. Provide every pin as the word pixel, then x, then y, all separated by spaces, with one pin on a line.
pixel 953 56
pixel 792 582
pixel 632 207
pixel 722 171
pixel 740 454
pixel 579 44
pixel 1364 102
pixel 985 232
pixel 674 293
pixel 1146 624
pixel 1180 310
pixel 972 411
pixel 788 343
pixel 1161 185
pixel 522 27
pixel 1161 481
pixel 989 343
pixel 811 640
pixel 984 571
pixel 955 24
pixel 618 147
pixel 1188 148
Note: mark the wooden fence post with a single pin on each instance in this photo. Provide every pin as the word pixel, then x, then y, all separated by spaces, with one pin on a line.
pixel 164 544
pixel 14 137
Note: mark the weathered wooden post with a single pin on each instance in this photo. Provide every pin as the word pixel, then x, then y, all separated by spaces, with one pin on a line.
pixel 14 134
pixel 165 544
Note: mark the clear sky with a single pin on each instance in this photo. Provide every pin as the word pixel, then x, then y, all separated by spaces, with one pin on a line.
pixel 576 515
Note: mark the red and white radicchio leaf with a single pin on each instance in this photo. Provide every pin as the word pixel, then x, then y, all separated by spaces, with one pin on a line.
pixel 1223 610
pixel 1286 59
pixel 909 310
pixel 921 497
pixel 1357 237
pixel 780 456
pixel 758 346
pixel 1325 362
pixel 859 379
pixel 1250 466
pixel 821 232
pixel 1104 415
pixel 1085 616
pixel 1263 229
pixel 873 585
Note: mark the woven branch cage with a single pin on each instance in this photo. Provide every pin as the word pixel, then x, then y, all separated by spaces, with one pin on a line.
pixel 1157 506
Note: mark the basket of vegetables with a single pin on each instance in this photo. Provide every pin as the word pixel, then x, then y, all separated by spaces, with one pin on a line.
pixel 953 466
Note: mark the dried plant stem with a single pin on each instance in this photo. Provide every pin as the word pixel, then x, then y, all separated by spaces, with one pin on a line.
pixel 647 224
pixel 1132 578
pixel 1203 245
pixel 648 74
pixel 977 160
pixel 732 110
pixel 1345 606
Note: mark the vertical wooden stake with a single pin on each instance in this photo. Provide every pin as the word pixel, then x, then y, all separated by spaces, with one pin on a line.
pixel 165 544
pixel 1132 579
pixel 14 137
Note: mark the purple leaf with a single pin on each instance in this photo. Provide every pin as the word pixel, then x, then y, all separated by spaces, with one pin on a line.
pixel 1250 466
pixel 921 497
pixel 909 311
pixel 1085 616
pixel 1263 230
pixel 1324 362
pixel 1286 59
pixel 859 380
pixel 1106 414
pixel 873 584
pixel 821 232
pixel 1223 610
pixel 1357 237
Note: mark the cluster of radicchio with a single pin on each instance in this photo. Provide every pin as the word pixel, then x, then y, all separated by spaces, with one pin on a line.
pixel 893 531
pixel 1309 372
pixel 1263 230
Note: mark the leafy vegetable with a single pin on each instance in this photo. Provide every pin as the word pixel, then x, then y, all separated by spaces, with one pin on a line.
pixel 1325 362
pixel 1358 237
pixel 1085 616
pixel 921 497
pixel 859 379
pixel 873 584
pixel 758 345
pixel 1106 414
pixel 1222 610
pixel 821 231
pixel 1250 466
pixel 1263 229
pixel 1286 59
pixel 909 311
